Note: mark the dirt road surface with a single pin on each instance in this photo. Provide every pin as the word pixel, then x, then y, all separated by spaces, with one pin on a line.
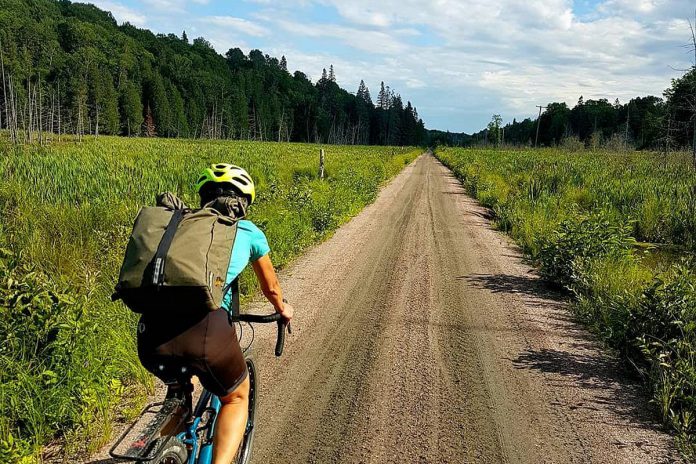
pixel 420 336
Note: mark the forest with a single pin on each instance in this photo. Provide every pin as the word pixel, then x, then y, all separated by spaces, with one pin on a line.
pixel 644 123
pixel 69 68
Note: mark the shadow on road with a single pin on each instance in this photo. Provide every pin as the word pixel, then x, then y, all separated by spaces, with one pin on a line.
pixel 618 387
pixel 584 365
pixel 506 283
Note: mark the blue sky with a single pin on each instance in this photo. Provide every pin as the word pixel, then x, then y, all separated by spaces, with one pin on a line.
pixel 458 62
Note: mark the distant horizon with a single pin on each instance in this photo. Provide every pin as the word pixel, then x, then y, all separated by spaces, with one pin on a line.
pixel 449 59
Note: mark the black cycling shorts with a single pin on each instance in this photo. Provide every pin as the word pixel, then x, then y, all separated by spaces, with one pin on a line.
pixel 204 345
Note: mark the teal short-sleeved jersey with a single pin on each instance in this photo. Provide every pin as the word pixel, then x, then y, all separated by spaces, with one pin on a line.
pixel 250 244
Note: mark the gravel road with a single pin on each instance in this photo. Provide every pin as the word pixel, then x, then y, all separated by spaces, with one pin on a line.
pixel 420 336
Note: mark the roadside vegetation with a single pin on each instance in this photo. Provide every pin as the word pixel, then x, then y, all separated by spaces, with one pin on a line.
pixel 67 356
pixel 619 232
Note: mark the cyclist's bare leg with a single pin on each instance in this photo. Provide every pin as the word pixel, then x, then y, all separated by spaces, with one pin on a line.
pixel 230 424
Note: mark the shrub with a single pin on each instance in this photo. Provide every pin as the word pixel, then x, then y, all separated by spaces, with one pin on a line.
pixel 663 327
pixel 572 143
pixel 579 239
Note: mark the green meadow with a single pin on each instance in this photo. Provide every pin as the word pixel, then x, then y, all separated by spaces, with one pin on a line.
pixel 67 360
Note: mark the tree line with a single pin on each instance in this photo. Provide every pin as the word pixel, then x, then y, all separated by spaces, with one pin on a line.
pixel 654 123
pixel 69 68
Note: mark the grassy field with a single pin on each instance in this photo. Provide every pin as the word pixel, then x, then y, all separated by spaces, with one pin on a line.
pixel 619 232
pixel 68 355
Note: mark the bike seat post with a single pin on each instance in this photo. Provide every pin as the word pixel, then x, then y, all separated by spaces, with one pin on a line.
pixel 182 390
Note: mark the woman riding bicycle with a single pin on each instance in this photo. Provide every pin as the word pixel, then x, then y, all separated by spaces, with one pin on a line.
pixel 208 343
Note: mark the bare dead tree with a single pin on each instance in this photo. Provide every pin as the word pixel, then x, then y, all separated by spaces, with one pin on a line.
pixel 691 99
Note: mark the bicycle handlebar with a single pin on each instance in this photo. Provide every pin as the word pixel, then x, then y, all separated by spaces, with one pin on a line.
pixel 265 319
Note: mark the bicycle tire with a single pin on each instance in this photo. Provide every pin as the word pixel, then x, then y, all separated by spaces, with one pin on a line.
pixel 244 453
pixel 169 450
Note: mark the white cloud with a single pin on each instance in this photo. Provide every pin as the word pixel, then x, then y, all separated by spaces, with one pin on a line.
pixel 121 13
pixel 371 41
pixel 238 24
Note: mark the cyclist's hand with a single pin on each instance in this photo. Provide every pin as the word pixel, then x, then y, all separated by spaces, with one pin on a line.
pixel 287 312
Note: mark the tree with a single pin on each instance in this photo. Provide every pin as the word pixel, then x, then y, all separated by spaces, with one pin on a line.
pixel 332 76
pixel 283 63
pixel 130 108
pixel 494 129
pixel 149 128
pixel 184 37
pixel 382 97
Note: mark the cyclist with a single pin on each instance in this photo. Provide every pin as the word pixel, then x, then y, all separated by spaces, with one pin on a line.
pixel 207 343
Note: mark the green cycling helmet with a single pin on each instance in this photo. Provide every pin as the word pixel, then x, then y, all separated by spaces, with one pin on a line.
pixel 223 173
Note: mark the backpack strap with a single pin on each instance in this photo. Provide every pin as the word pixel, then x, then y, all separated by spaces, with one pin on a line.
pixel 234 287
pixel 154 274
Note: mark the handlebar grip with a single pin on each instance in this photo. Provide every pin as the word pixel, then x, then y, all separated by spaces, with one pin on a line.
pixel 265 318
pixel 259 318
pixel 280 342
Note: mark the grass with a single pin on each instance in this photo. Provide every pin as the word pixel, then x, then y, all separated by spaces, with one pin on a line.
pixel 619 232
pixel 68 354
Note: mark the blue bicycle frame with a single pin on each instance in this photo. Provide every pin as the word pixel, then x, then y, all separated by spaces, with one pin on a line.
pixel 201 454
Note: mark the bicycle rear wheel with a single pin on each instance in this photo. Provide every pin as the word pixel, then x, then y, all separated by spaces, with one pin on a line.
pixel 244 453
pixel 168 450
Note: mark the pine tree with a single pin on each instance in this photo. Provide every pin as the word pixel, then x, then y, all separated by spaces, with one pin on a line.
pixel 361 90
pixel 367 97
pixel 323 74
pixel 283 63
pixel 130 108
pixel 184 37
pixel 382 97
pixel 332 76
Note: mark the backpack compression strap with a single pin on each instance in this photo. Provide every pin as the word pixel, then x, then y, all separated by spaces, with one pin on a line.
pixel 154 274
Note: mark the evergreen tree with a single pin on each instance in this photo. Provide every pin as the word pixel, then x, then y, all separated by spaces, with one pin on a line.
pixel 184 37
pixel 382 97
pixel 332 76
pixel 283 63
pixel 367 97
pixel 130 108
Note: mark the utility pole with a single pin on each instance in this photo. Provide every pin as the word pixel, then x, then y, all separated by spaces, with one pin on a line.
pixel 536 140
pixel 628 117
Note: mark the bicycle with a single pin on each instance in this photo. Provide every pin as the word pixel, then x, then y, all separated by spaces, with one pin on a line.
pixel 193 444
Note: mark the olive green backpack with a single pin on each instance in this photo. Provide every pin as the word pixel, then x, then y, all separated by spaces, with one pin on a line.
pixel 177 257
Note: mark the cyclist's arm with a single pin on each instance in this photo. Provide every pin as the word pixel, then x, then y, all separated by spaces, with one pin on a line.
pixel 263 268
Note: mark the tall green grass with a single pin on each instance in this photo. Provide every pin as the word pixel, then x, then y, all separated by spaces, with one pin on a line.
pixel 619 232
pixel 68 355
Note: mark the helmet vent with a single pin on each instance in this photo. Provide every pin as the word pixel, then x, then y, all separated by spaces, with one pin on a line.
pixel 241 180
pixel 220 166
pixel 201 179
pixel 219 173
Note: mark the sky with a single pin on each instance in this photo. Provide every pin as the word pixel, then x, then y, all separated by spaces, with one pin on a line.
pixel 458 62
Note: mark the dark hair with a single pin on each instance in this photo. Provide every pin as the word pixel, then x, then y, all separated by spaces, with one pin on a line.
pixel 213 190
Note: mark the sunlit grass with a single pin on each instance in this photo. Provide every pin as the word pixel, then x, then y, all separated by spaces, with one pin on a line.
pixel 68 353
